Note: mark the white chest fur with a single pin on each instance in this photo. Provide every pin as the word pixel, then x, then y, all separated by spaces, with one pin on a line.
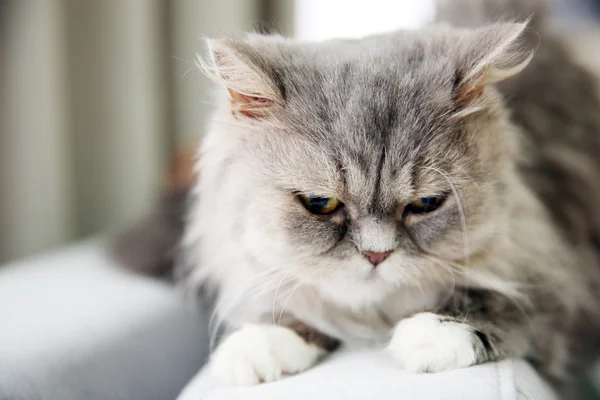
pixel 366 324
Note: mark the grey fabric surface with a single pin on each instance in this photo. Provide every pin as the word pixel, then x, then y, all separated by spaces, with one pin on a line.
pixel 74 327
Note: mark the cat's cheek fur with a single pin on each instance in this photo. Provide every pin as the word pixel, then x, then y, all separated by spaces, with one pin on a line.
pixel 428 342
pixel 262 353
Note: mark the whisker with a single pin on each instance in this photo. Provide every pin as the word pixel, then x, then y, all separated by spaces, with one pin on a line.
pixel 463 219
pixel 255 292
pixel 277 291
pixel 448 269
pixel 224 306
pixel 309 276
pixel 258 292
pixel 461 212
pixel 288 299
pixel 444 266
pixel 455 267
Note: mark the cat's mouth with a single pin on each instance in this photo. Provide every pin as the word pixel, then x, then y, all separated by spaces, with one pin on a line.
pixel 374 275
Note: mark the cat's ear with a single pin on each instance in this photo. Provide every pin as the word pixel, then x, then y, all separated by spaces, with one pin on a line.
pixel 491 55
pixel 239 68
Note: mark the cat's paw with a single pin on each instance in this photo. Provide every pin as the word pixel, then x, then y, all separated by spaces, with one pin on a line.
pixel 262 353
pixel 428 342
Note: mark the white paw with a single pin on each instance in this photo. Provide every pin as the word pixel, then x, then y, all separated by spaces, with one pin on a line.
pixel 428 342
pixel 262 353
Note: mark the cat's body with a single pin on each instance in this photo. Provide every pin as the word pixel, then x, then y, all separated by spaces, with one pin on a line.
pixel 507 265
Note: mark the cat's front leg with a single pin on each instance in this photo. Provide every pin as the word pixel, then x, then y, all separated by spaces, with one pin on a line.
pixel 471 329
pixel 264 353
pixel 429 342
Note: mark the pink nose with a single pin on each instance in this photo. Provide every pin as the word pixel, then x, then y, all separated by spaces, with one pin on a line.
pixel 376 258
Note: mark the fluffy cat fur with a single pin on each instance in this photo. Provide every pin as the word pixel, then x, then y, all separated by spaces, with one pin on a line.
pixel 484 106
pixel 151 246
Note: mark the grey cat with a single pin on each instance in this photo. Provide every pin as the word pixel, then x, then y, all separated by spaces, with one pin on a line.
pixel 435 190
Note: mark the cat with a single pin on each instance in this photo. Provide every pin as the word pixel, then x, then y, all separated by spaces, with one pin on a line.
pixel 434 191
pixel 151 246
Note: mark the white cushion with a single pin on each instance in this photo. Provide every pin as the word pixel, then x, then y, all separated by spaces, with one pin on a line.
pixel 371 375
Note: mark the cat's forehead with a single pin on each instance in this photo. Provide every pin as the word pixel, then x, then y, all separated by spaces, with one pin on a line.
pixel 368 88
pixel 368 100
pixel 374 61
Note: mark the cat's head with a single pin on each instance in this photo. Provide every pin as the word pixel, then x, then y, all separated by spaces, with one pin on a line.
pixel 362 165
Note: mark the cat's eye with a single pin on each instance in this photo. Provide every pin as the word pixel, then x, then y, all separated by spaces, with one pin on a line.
pixel 425 205
pixel 320 205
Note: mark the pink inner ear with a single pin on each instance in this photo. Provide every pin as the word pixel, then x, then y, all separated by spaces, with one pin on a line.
pixel 249 106
pixel 468 93
pixel 221 63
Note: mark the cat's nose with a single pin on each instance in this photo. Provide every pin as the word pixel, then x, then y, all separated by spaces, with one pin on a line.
pixel 376 258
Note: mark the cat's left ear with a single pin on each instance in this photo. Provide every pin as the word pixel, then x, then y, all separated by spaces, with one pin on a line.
pixel 242 70
pixel 491 55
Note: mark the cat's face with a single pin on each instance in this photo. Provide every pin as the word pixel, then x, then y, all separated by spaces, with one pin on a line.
pixel 362 166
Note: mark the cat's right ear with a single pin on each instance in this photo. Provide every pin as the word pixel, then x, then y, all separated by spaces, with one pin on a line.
pixel 490 55
pixel 239 68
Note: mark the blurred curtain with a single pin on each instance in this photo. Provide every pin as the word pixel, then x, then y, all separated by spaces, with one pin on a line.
pixel 95 96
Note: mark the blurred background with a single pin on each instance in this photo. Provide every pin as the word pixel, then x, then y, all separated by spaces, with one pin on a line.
pixel 97 96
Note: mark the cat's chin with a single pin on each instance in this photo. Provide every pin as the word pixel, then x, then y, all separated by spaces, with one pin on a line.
pixel 356 293
pixel 357 285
